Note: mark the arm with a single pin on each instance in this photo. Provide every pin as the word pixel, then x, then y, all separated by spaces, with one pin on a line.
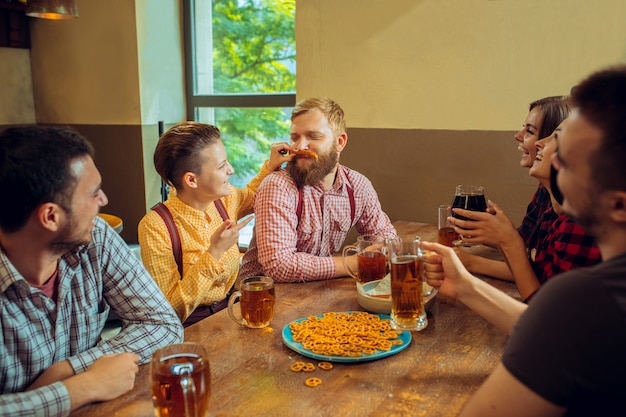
pixel 148 319
pixel 108 377
pixel 203 271
pixel 444 270
pixel 371 219
pixel 503 395
pixel 245 196
pixel 484 266
pixel 498 230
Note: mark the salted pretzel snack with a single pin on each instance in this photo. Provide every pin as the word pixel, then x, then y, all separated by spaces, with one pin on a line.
pixel 302 152
pixel 297 366
pixel 313 382
pixel 327 366
pixel 345 334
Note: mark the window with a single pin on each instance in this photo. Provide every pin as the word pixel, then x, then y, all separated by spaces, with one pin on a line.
pixel 241 76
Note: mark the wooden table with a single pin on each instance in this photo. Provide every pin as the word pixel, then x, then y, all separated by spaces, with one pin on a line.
pixel 443 365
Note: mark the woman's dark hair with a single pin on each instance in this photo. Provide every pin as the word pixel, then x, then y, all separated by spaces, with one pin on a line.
pixel 554 110
pixel 178 150
pixel 35 169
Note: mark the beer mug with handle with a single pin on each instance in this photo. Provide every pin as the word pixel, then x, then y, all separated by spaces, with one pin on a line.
pixel 181 380
pixel 371 256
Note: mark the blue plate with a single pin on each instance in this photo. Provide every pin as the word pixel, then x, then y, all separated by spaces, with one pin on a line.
pixel 297 346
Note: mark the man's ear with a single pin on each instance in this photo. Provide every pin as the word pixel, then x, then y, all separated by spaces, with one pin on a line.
pixel 618 206
pixel 49 216
pixel 190 180
pixel 342 141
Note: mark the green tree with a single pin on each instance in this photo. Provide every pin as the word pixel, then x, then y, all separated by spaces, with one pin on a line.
pixel 253 52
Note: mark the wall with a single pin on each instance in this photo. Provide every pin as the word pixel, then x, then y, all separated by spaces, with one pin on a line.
pixel 434 89
pixel 113 74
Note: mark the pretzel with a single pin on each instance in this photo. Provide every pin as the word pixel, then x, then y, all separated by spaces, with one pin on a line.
pixel 313 382
pixel 302 152
pixel 327 366
pixel 345 334
pixel 297 366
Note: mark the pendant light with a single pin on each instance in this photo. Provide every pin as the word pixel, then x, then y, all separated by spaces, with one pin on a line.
pixel 52 9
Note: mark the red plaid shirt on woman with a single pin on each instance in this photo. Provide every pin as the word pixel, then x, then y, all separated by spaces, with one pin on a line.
pixel 561 245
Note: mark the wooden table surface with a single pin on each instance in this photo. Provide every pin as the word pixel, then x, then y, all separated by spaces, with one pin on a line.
pixel 250 376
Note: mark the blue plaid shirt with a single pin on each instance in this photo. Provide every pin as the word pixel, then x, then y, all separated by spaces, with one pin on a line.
pixel 37 332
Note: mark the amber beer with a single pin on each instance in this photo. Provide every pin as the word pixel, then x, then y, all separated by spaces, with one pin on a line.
pixel 447 236
pixel 257 304
pixel 181 382
pixel 407 308
pixel 372 266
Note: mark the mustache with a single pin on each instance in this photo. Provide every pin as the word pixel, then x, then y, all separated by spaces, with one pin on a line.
pixel 556 191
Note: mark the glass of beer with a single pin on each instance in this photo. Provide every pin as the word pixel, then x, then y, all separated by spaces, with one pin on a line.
pixel 257 299
pixel 371 257
pixel 180 380
pixel 446 234
pixel 468 197
pixel 407 303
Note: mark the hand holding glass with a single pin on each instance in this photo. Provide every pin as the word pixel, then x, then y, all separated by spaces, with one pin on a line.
pixel 468 197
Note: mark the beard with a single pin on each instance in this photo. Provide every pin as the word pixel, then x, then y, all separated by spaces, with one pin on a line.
pixel 68 239
pixel 313 174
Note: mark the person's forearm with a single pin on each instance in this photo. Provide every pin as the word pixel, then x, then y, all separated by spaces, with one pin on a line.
pixel 57 372
pixel 516 257
pixel 492 268
pixel 492 304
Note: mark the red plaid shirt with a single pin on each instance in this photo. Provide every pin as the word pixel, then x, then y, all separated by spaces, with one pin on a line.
pixel 289 249
pixel 561 245
pixel 538 205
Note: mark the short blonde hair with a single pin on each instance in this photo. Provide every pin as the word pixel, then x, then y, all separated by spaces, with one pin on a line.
pixel 330 109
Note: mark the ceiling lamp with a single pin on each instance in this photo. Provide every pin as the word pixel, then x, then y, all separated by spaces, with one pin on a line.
pixel 52 9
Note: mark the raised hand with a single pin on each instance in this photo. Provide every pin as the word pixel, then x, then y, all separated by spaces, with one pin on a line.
pixel 279 154
pixel 226 236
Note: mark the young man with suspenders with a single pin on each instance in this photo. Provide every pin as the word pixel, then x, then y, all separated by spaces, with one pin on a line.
pixel 304 212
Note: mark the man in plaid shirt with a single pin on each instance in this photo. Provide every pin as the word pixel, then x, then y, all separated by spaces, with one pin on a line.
pixel 303 213
pixel 62 271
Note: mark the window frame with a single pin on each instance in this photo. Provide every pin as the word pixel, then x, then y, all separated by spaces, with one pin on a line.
pixel 195 101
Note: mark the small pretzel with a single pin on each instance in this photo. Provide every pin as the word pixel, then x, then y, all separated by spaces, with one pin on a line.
pixel 327 366
pixel 313 382
pixel 297 366
pixel 302 152
pixel 308 367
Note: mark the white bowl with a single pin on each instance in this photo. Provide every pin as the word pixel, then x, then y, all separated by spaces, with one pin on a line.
pixel 382 305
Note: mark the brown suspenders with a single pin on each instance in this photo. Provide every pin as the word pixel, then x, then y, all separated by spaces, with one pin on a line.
pixel 177 247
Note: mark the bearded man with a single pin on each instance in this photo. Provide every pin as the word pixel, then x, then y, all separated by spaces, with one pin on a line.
pixel 304 212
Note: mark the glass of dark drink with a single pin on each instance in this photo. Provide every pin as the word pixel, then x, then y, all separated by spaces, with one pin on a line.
pixel 468 197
